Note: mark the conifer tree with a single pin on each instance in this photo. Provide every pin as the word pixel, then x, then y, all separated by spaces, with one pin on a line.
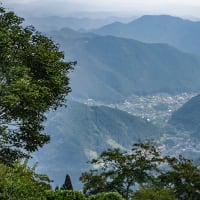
pixel 67 184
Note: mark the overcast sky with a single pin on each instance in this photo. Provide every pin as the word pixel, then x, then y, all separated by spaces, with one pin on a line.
pixel 187 8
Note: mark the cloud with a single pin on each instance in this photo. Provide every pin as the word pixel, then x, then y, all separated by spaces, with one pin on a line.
pixel 63 7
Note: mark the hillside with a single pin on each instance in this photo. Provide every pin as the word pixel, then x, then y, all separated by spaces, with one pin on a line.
pixel 187 118
pixel 79 132
pixel 180 33
pixel 111 68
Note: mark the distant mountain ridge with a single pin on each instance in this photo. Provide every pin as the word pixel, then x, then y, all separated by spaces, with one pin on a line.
pixel 180 33
pixel 50 23
pixel 111 68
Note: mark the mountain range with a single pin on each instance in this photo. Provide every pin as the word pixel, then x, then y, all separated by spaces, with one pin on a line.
pixel 51 23
pixel 180 33
pixel 112 68
pixel 113 65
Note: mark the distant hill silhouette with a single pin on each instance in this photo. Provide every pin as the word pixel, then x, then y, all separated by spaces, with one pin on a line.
pixel 50 23
pixel 180 33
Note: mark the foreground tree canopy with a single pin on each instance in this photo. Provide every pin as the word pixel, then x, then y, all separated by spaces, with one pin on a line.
pixel 120 171
pixel 33 80
pixel 142 168
pixel 21 182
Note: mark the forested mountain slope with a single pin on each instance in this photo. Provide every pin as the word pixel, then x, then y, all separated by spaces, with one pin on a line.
pixel 80 131
pixel 187 118
pixel 111 68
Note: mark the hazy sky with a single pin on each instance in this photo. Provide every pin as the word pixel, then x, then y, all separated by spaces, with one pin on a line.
pixel 185 8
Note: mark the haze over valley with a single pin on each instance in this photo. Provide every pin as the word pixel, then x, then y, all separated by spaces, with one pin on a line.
pixel 136 78
pixel 148 68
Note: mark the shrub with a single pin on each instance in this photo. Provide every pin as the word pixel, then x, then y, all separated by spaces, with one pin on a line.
pixel 20 182
pixel 153 194
pixel 106 196
pixel 64 195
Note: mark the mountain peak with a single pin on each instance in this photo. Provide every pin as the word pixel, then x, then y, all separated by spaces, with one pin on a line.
pixel 180 33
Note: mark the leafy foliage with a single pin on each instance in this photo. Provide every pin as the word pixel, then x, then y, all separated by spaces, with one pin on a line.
pixel 76 195
pixel 64 195
pixel 33 79
pixel 120 171
pixel 156 176
pixel 106 196
pixel 183 178
pixel 153 194
pixel 21 182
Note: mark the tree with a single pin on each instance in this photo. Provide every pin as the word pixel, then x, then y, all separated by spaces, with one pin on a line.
pixel 21 182
pixel 144 167
pixel 153 193
pixel 121 171
pixel 67 184
pixel 33 80
pixel 182 177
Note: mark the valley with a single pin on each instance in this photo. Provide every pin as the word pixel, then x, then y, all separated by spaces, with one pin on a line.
pixel 156 108
pixel 87 127
pixel 124 90
pixel 107 100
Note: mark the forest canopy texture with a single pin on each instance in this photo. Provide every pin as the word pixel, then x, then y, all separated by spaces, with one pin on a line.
pixel 33 80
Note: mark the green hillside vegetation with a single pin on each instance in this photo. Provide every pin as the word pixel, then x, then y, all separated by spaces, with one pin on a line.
pixel 83 132
pixel 180 33
pixel 114 179
pixel 112 68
